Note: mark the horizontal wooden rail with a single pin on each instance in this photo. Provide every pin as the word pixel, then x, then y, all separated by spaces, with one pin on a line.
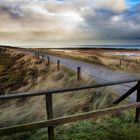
pixel 12 83
pixel 63 120
pixel 66 90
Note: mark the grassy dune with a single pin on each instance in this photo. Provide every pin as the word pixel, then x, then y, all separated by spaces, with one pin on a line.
pixel 89 59
pixel 128 65
pixel 38 75
pixel 11 75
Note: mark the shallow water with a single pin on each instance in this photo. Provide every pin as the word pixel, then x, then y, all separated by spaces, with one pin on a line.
pixel 128 54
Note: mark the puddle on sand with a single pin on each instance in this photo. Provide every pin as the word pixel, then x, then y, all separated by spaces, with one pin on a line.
pixel 128 54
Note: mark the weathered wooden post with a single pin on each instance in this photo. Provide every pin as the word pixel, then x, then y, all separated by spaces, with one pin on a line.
pixel 48 60
pixel 58 65
pixel 120 62
pixel 49 110
pixel 78 73
pixel 138 100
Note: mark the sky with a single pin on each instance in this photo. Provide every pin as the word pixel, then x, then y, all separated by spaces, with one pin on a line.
pixel 43 22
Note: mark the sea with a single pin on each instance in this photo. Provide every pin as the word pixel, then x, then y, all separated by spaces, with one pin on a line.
pixel 98 46
pixel 135 47
pixel 111 46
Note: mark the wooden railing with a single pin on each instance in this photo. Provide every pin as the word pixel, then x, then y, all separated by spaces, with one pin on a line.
pixel 52 122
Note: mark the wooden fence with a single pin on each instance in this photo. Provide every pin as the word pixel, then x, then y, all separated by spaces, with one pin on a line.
pixel 39 55
pixel 52 122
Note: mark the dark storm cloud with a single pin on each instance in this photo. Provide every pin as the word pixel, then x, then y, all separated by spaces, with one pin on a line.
pixel 67 20
pixel 14 12
pixel 111 24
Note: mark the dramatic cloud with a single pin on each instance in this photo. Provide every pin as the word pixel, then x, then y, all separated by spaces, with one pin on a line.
pixel 69 20
pixel 110 24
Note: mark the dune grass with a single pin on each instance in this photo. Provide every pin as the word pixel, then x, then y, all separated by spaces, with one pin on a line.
pixel 132 67
pixel 10 76
pixel 27 110
pixel 109 128
pixel 70 72
pixel 33 109
pixel 89 59
pixel 121 127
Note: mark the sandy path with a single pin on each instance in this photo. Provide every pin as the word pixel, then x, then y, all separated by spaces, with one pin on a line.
pixel 100 73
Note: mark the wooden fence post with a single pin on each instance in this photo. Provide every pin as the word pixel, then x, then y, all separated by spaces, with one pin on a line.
pixel 49 110
pixel 78 73
pixel 58 65
pixel 138 100
pixel 48 60
pixel 120 62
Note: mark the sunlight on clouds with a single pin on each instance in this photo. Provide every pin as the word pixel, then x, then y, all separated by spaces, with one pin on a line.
pixel 38 9
pixel 69 20
pixel 116 5
pixel 116 18
pixel 43 20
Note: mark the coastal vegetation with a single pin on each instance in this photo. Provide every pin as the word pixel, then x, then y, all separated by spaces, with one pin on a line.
pixel 89 59
pixel 100 57
pixel 38 75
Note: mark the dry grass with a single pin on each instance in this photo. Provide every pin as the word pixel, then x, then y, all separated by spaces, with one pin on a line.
pixel 101 57
pixel 40 76
pixel 75 55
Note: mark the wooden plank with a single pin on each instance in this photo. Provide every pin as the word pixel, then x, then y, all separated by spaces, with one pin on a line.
pixel 49 111
pixel 63 120
pixel 129 92
pixel 65 90
pixel 137 118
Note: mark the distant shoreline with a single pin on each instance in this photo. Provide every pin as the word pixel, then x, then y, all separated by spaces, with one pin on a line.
pixel 105 47
pixel 100 47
